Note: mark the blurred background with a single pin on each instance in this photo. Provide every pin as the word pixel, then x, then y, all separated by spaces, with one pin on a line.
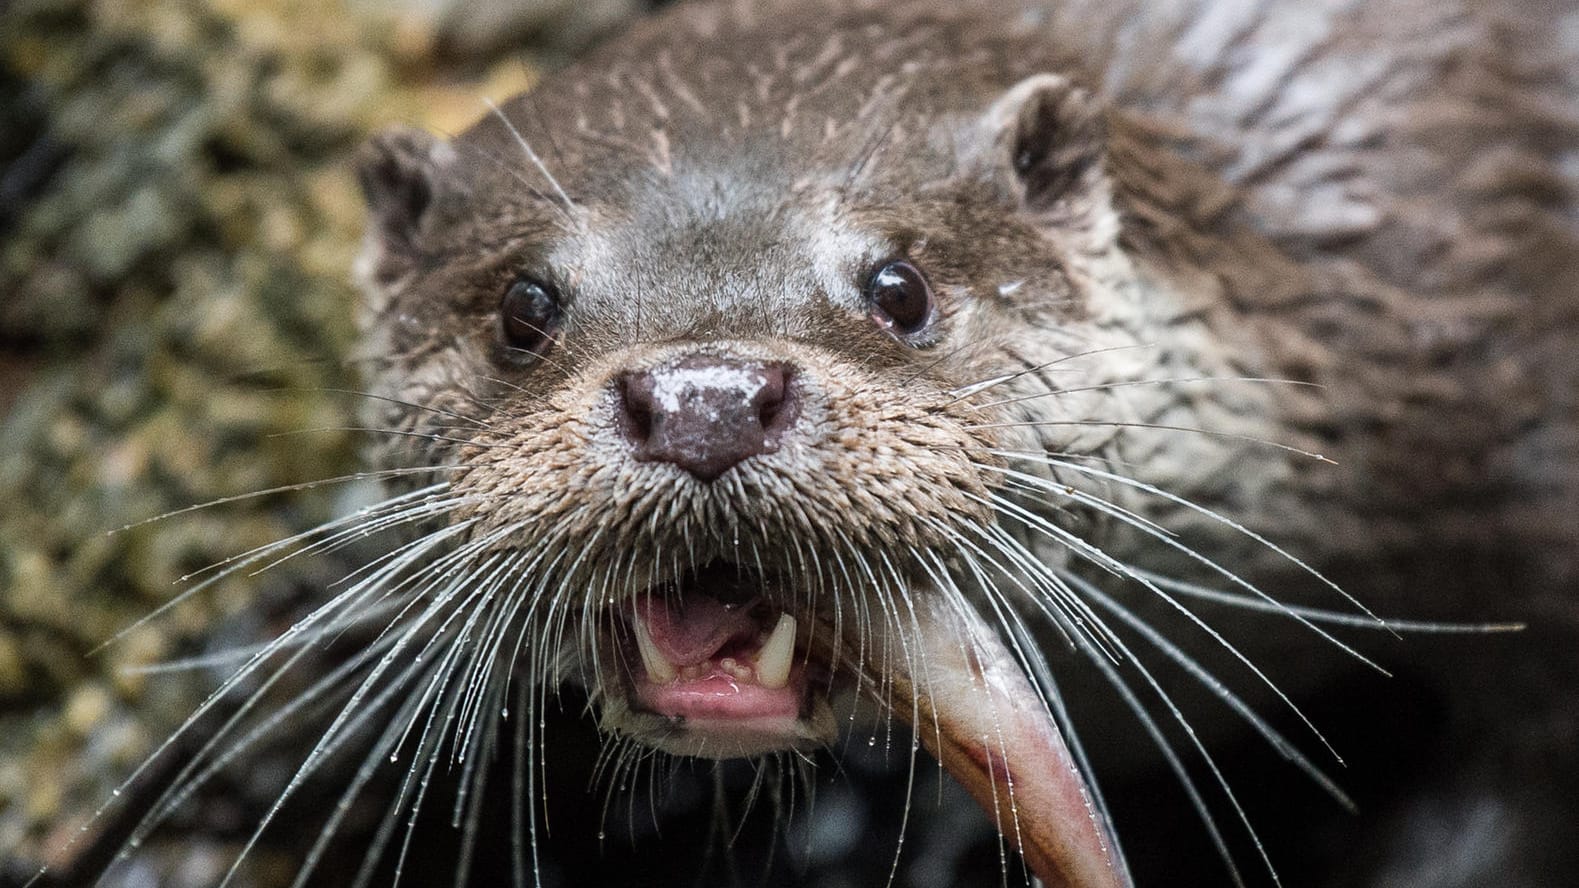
pixel 177 222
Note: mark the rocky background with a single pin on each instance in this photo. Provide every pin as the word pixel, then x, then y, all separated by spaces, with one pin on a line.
pixel 177 221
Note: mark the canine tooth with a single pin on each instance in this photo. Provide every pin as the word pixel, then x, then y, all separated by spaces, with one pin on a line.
pixel 773 662
pixel 658 667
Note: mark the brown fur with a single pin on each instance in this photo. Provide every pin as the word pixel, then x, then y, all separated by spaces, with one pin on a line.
pixel 1375 200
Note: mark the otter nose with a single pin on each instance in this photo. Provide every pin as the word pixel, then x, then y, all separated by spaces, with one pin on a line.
pixel 704 413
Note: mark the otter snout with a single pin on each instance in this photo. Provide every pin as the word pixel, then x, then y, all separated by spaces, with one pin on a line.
pixel 705 413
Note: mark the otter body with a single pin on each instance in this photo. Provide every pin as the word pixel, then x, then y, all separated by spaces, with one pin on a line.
pixel 789 369
pixel 1286 282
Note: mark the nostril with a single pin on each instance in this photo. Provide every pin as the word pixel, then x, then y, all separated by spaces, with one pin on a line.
pixel 636 403
pixel 775 403
pixel 640 422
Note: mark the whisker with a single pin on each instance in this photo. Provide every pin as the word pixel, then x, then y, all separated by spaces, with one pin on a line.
pixel 214 698
pixel 1203 812
pixel 566 204
pixel 388 399
pixel 375 759
pixel 1280 743
pixel 286 488
pixel 1223 520
pixel 1317 615
pixel 319 752
pixel 967 391
pixel 1128 383
pixel 1099 557
pixel 1047 688
pixel 1103 423
pixel 400 433
pixel 1103 506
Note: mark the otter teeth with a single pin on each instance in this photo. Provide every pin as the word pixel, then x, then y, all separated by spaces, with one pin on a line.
pixel 773 661
pixel 658 667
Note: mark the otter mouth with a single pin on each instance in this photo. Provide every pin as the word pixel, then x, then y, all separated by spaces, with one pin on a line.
pixel 718 664
pixel 726 662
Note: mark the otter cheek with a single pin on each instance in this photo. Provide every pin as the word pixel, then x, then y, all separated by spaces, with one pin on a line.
pixel 977 713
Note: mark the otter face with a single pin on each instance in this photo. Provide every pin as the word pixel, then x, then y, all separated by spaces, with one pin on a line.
pixel 725 435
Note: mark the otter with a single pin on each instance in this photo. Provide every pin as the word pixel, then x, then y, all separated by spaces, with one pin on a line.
pixel 1086 386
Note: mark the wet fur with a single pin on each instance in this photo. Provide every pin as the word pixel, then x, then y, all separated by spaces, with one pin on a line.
pixel 1370 200
pixel 1310 272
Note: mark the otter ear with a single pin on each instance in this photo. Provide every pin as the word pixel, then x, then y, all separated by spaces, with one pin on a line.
pixel 1051 134
pixel 401 171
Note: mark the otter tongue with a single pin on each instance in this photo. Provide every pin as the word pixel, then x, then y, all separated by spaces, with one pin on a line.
pixel 691 629
pixel 974 709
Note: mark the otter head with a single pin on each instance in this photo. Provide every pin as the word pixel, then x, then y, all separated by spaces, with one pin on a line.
pixel 724 401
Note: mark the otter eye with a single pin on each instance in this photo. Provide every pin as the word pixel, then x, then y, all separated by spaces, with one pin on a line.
pixel 899 297
pixel 529 316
